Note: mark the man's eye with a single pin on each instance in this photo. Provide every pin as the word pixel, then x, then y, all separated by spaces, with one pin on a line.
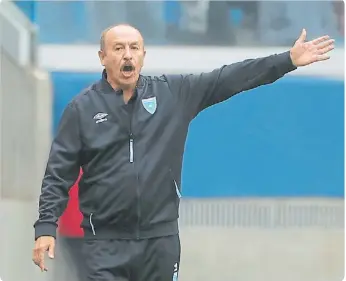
pixel 118 48
pixel 135 48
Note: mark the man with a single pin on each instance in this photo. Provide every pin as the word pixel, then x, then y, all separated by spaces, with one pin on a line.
pixel 127 132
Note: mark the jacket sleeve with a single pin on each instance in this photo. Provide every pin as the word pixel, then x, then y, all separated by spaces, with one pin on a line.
pixel 197 92
pixel 62 171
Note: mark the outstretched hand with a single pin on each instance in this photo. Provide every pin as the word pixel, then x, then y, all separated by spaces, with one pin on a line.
pixel 304 53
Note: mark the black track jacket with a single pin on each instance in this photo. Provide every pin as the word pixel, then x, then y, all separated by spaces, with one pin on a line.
pixel 131 154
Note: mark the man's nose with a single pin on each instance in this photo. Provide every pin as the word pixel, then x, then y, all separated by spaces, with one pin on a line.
pixel 127 54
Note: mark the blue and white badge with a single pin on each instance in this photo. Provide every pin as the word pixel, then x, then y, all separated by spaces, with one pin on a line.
pixel 150 104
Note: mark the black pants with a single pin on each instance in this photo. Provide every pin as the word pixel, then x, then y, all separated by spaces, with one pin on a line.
pixel 155 259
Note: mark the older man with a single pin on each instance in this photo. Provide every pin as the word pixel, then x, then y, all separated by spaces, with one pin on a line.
pixel 127 132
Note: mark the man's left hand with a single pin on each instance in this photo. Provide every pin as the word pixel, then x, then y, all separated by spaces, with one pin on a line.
pixel 304 53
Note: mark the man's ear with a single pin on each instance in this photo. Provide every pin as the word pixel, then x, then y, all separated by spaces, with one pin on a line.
pixel 144 53
pixel 101 57
pixel 142 62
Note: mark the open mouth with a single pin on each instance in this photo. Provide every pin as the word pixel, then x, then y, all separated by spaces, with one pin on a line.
pixel 127 70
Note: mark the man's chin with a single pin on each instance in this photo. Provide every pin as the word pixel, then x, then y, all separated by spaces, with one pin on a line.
pixel 129 77
pixel 128 82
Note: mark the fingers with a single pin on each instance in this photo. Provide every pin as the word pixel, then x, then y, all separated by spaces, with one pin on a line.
pixel 326 44
pixel 322 51
pixel 320 47
pixel 41 261
pixel 317 58
pixel 51 251
pixel 302 36
pixel 38 258
pixel 322 57
pixel 323 47
pixel 320 40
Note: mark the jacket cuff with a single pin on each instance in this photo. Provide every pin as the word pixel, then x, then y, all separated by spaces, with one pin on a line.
pixel 284 63
pixel 45 229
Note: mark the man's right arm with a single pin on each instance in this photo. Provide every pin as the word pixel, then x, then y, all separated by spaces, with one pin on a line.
pixel 61 173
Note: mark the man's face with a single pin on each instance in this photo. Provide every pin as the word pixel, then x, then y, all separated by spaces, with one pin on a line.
pixel 123 55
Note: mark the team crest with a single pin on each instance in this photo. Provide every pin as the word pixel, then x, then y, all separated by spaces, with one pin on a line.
pixel 150 104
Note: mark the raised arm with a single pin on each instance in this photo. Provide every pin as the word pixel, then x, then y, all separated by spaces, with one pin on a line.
pixel 197 92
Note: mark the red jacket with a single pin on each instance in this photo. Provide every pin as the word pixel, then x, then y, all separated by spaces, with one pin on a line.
pixel 69 222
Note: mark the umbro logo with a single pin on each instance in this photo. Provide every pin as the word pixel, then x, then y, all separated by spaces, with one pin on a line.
pixel 100 117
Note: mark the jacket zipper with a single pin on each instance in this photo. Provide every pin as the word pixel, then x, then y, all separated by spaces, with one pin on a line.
pixel 132 160
pixel 131 147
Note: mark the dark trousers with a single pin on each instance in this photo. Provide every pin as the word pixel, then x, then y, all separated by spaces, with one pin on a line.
pixel 155 259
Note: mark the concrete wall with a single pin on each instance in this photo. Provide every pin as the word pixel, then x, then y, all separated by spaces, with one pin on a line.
pixel 25 118
pixel 262 239
pixel 221 254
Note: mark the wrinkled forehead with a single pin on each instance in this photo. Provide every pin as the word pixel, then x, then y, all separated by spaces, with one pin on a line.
pixel 127 36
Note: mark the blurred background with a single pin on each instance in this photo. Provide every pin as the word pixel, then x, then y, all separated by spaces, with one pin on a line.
pixel 263 174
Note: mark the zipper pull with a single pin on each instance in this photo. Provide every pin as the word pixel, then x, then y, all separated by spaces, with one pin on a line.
pixel 131 148
pixel 91 224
